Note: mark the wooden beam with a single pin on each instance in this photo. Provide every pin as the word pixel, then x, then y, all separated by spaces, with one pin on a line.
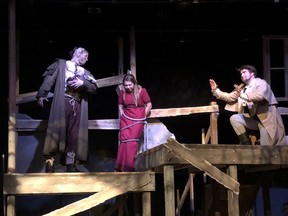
pixel 110 81
pixel 146 204
pixel 104 124
pixel 59 183
pixel 28 97
pixel 156 113
pixel 233 199
pixel 188 187
pixel 214 126
pixel 132 52
pixel 104 82
pixel 41 125
pixel 112 190
pixel 283 110
pixel 169 190
pixel 13 91
pixel 202 164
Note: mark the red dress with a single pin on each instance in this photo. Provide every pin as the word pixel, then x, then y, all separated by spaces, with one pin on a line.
pixel 131 128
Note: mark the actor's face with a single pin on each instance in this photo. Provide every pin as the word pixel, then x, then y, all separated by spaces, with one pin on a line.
pixel 83 58
pixel 129 86
pixel 246 76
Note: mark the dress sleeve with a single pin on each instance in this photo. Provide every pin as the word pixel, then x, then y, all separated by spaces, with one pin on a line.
pixel 120 98
pixel 145 96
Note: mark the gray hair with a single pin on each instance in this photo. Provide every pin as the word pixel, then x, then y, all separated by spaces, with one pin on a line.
pixel 77 51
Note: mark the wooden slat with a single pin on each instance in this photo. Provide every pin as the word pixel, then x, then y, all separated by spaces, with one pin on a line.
pixel 155 113
pixel 109 81
pixel 41 125
pixel 31 125
pixel 28 97
pixel 58 183
pixel 193 158
pixel 283 110
pixel 112 190
pixel 104 124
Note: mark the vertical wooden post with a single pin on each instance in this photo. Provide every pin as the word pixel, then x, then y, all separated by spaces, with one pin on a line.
pixel 132 52
pixel 192 198
pixel 203 136
pixel 213 125
pixel 120 56
pixel 169 190
pixel 12 136
pixel 178 202
pixel 146 204
pixel 233 199
pixel 12 89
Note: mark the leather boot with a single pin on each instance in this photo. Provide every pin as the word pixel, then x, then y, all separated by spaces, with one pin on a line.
pixel 70 162
pixel 244 139
pixel 49 165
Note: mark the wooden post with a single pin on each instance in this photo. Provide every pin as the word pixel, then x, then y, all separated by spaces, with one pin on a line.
pixel 192 198
pixel 203 136
pixel 233 199
pixel 169 190
pixel 178 202
pixel 146 204
pixel 213 125
pixel 12 136
pixel 132 52
pixel 120 56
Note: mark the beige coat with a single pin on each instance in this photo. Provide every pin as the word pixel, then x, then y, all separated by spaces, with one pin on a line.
pixel 261 102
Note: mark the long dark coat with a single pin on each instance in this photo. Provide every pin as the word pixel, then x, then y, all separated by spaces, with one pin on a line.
pixel 56 130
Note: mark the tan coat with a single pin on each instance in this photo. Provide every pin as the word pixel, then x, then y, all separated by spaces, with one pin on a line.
pixel 261 102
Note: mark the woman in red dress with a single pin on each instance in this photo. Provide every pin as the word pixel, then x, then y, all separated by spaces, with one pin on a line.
pixel 134 107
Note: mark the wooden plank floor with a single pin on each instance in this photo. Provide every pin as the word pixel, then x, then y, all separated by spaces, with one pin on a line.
pixel 216 154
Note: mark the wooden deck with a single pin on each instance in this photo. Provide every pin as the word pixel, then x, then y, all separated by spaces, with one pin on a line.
pixel 216 154
pixel 209 158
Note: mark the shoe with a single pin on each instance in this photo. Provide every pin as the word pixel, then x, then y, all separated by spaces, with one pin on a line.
pixel 49 166
pixel 71 168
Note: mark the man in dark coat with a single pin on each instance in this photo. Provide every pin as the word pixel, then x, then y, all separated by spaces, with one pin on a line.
pixel 67 130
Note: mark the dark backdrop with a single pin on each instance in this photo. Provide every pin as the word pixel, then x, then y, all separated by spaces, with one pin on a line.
pixel 179 46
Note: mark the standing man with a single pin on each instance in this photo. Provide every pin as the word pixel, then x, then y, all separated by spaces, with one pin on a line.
pixel 256 106
pixel 67 130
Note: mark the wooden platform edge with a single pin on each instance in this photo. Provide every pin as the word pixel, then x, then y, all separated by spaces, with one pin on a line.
pixel 121 187
pixel 60 183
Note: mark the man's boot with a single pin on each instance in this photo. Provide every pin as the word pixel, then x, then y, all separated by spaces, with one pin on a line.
pixel 70 162
pixel 49 165
pixel 244 139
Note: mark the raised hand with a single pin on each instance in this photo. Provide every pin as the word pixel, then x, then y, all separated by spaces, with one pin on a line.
pixel 213 84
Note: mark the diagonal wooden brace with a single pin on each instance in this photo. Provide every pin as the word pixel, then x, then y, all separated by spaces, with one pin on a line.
pixel 202 164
